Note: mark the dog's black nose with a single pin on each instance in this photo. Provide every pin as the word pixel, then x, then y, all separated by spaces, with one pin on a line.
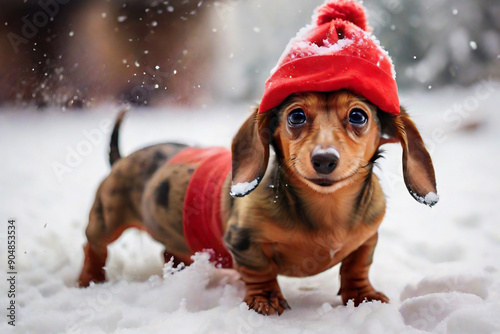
pixel 324 160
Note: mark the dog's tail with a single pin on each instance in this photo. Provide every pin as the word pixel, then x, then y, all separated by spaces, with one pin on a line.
pixel 114 151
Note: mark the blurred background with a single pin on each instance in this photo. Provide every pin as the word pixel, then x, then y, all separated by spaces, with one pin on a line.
pixel 82 53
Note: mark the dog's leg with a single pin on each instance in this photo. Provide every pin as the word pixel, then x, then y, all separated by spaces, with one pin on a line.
pixel 253 260
pixel 93 266
pixel 95 250
pixel 107 222
pixel 354 281
pixel 263 292
pixel 96 253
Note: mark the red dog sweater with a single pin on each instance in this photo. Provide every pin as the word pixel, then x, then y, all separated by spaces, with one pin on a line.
pixel 202 204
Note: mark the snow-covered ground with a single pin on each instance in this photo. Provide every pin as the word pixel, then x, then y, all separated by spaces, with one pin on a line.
pixel 439 266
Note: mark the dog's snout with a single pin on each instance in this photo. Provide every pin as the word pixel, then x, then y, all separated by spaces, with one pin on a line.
pixel 324 160
pixel 324 163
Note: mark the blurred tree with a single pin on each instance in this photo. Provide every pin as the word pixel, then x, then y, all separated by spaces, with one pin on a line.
pixel 439 42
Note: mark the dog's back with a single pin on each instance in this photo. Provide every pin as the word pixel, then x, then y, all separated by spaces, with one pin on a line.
pixel 120 197
pixel 170 190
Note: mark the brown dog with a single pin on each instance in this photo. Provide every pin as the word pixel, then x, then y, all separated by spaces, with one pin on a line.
pixel 319 199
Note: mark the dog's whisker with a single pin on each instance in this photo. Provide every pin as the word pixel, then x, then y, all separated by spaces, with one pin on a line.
pixel 292 157
pixel 288 167
pixel 285 162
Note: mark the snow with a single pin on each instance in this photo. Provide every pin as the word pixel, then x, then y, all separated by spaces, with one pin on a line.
pixel 439 267
pixel 241 189
pixel 426 312
pixel 430 199
pixel 300 47
pixel 383 51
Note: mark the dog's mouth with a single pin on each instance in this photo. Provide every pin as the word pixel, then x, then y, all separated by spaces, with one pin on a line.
pixel 322 182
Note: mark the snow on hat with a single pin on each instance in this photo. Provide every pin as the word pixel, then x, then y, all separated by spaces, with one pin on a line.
pixel 337 51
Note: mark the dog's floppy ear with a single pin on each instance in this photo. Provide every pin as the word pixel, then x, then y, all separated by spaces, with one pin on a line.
pixel 250 153
pixel 418 170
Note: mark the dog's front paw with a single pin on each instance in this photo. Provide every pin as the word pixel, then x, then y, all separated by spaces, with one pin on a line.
pixel 267 302
pixel 360 295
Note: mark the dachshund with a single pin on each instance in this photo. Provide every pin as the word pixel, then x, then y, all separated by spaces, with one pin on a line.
pixel 314 203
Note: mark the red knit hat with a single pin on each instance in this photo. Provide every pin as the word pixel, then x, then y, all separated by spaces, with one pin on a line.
pixel 337 51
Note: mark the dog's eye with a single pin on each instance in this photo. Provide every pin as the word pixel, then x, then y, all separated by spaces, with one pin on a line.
pixel 358 117
pixel 297 117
